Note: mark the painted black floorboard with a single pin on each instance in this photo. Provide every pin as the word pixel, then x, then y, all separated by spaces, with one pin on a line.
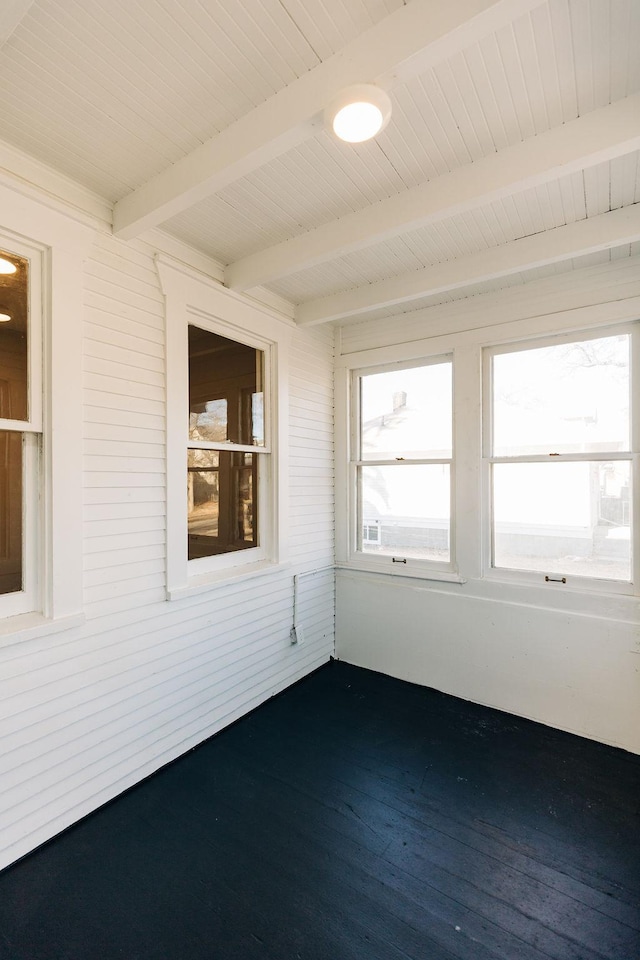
pixel 354 817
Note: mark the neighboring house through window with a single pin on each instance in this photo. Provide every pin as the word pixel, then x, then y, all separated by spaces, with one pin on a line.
pixel 541 489
pixel 402 464
pixel 558 441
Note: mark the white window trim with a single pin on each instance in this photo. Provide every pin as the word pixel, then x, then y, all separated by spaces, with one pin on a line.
pixel 472 520
pixel 348 555
pixel 577 583
pixel 191 297
pixel 63 244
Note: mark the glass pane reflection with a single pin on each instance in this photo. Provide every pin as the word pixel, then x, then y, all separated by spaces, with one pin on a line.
pixel 10 511
pixel 407 413
pixel 222 502
pixel 225 390
pixel 14 314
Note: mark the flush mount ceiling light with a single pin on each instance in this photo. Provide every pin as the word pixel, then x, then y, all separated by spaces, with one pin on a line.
pixel 6 266
pixel 4 318
pixel 358 113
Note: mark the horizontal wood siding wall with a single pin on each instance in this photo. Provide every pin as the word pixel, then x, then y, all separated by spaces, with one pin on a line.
pixel 91 711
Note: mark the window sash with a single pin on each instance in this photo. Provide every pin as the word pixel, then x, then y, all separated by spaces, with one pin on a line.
pixel 198 566
pixel 598 456
pixel 402 564
pixel 28 599
pixel 575 336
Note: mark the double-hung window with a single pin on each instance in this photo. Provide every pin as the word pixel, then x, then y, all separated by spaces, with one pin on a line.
pixel 227 393
pixel 40 418
pixel 227 450
pixel 20 432
pixel 401 465
pixel 558 454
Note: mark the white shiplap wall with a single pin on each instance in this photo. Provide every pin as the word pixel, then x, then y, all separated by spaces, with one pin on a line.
pixel 90 711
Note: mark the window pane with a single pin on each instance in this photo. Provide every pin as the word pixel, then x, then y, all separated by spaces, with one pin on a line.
pixel 566 518
pixel 225 390
pixel 10 511
pixel 565 398
pixel 405 510
pixel 407 413
pixel 222 502
pixel 13 337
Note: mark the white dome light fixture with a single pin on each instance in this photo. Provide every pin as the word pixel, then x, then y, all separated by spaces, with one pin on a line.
pixel 358 113
pixel 5 317
pixel 6 266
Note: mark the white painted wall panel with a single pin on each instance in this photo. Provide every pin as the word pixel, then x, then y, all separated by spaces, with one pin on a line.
pixel 90 711
pixel 578 673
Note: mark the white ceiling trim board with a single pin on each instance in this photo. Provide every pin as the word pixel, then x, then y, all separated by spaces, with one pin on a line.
pixel 602 135
pixel 552 246
pixel 28 175
pixel 405 43
pixel 13 11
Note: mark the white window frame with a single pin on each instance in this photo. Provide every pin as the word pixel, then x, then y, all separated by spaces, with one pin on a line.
pixel 472 493
pixel 488 460
pixel 261 552
pixel 193 299
pixel 397 565
pixel 29 598
pixel 56 247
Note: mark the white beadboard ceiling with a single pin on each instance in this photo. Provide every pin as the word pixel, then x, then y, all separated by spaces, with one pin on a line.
pixel 163 108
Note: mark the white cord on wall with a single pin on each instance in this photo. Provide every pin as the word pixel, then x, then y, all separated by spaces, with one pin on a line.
pixel 297 633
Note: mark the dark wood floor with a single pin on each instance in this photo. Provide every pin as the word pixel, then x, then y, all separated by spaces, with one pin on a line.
pixel 352 817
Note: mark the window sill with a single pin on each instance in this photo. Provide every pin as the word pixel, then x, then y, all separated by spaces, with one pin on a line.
pixel 213 579
pixel 440 576
pixel 586 603
pixel 572 583
pixel 32 626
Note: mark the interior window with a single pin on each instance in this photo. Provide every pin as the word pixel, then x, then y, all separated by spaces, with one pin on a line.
pixel 14 409
pixel 226 433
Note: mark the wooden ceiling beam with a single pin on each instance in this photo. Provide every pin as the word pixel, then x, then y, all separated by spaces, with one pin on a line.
pixel 402 45
pixel 577 239
pixel 601 135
